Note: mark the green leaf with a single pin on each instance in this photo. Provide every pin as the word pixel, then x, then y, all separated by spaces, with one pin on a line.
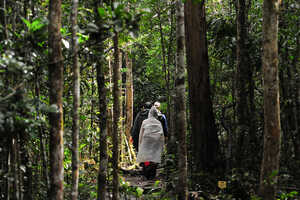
pixel 139 191
pixel 83 117
pixel 36 25
pixel 101 12
pixel 156 183
pixel 82 38
pixel 28 24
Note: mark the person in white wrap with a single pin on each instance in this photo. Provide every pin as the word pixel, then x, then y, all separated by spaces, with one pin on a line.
pixel 151 143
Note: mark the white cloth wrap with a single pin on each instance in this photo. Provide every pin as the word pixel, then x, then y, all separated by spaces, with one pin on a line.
pixel 151 141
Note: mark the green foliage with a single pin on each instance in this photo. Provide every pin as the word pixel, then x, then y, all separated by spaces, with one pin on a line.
pixel 36 25
pixel 287 196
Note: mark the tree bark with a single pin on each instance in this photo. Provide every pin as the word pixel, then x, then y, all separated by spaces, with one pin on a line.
pixel 116 116
pixel 25 161
pixel 103 113
pixel 162 42
pixel 3 19
pixel 296 97
pixel 204 138
pixel 129 96
pixel 56 69
pixel 14 166
pixel 180 125
pixel 129 105
pixel 76 102
pixel 271 154
pixel 243 80
pixel 102 91
pixel 171 143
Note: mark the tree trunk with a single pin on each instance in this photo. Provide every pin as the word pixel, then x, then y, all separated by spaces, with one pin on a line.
pixel 3 19
pixel 116 116
pixel 76 103
pixel 4 167
pixel 204 138
pixel 32 9
pixel 162 42
pixel 9 171
pixel 102 101
pixel 14 166
pixel 296 97
pixel 109 123
pixel 25 161
pixel 102 91
pixel 171 145
pixel 243 80
pixel 25 7
pixel 129 105
pixel 129 96
pixel 180 125
pixel 270 162
pixel 91 135
pixel 56 69
pixel 43 154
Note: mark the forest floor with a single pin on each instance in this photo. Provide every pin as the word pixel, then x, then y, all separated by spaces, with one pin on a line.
pixel 135 179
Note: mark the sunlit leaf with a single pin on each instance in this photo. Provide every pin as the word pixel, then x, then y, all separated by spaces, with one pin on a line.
pixel 139 191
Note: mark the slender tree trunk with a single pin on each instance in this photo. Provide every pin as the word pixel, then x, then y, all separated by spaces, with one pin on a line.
pixel 270 162
pixel 110 109
pixel 243 80
pixel 204 138
pixel 33 8
pixel 129 96
pixel 25 7
pixel 3 167
pixel 9 171
pixel 129 105
pixel 43 154
pixel 162 41
pixel 25 161
pixel 116 116
pixel 103 113
pixel 56 69
pixel 3 19
pixel 171 145
pixel 296 97
pixel 15 172
pixel 180 125
pixel 102 91
pixel 76 103
pixel 102 101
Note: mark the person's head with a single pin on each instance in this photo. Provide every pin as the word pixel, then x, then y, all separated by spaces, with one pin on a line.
pixel 157 105
pixel 147 105
pixel 153 112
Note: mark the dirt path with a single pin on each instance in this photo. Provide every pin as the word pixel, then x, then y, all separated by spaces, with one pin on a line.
pixel 135 179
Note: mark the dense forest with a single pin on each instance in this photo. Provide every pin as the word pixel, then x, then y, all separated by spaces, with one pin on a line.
pixel 74 74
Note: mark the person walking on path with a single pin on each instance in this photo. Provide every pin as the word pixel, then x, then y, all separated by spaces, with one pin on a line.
pixel 162 118
pixel 135 131
pixel 151 143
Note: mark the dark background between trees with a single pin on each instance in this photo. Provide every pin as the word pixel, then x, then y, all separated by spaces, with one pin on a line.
pixel 65 106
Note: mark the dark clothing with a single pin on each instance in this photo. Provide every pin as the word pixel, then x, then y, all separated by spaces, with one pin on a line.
pixel 149 169
pixel 135 131
pixel 162 118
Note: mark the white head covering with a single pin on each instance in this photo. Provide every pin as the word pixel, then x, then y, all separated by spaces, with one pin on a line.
pixel 153 113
